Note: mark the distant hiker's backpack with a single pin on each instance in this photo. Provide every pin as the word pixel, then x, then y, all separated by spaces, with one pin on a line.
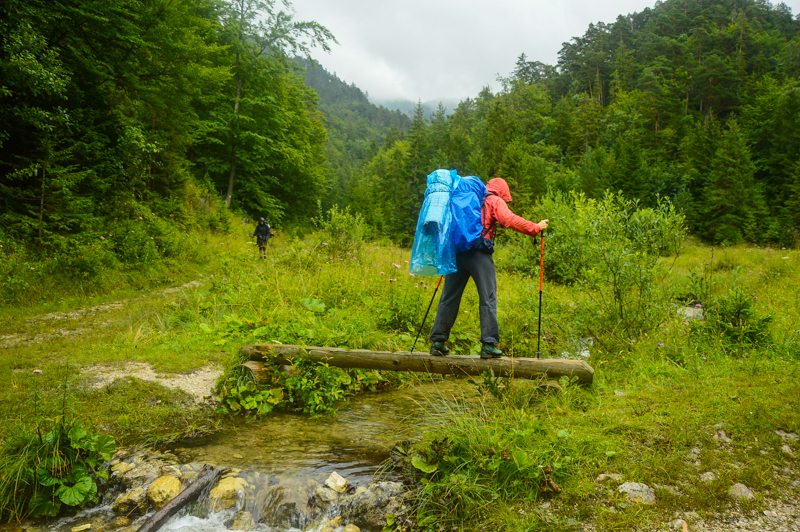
pixel 465 204
pixel 433 252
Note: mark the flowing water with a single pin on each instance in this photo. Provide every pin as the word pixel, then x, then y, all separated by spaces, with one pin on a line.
pixel 283 456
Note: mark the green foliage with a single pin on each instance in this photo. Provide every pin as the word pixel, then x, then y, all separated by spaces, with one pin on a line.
pixel 57 463
pixel 308 386
pixel 342 231
pixel 734 320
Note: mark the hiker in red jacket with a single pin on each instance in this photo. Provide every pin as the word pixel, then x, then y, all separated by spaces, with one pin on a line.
pixel 480 266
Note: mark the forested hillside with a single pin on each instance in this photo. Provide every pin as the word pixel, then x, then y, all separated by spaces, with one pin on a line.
pixel 356 127
pixel 696 101
pixel 124 124
pixel 112 109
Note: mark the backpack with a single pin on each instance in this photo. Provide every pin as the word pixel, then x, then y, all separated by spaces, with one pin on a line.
pixel 432 252
pixel 465 206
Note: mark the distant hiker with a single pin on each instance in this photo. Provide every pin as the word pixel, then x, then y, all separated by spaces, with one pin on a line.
pixel 262 233
pixel 479 264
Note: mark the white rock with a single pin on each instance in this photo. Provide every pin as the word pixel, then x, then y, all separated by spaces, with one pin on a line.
pixel 619 393
pixel 81 528
pixel 740 492
pixel 336 482
pixel 708 476
pixel 787 436
pixel 788 450
pixel 608 477
pixel 721 436
pixel 638 492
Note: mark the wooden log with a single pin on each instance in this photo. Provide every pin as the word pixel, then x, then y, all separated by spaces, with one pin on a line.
pixel 192 491
pixel 524 368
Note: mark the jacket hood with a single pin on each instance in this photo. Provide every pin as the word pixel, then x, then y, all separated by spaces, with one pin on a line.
pixel 499 187
pixel 262 220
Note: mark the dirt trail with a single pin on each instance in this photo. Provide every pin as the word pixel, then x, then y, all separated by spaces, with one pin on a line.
pixel 198 383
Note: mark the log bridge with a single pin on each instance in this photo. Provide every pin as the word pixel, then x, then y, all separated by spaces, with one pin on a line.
pixel 524 368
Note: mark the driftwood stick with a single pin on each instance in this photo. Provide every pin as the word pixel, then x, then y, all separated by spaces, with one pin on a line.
pixel 192 491
pixel 524 368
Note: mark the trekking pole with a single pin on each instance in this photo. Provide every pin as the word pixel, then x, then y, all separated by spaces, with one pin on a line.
pixel 426 313
pixel 541 287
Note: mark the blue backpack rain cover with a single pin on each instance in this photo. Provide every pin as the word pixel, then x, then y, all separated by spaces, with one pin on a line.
pixel 465 205
pixel 433 252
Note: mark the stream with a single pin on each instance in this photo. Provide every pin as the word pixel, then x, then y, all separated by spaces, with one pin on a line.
pixel 282 458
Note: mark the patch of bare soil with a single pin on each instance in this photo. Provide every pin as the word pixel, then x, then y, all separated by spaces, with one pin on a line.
pixel 199 383
pixel 76 315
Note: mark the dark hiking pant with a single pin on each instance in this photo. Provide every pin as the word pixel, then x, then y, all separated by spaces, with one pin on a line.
pixel 479 266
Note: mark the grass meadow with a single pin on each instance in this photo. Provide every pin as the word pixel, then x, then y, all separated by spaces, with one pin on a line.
pixel 665 384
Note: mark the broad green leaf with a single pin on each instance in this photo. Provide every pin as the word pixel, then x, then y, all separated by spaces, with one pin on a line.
pixel 78 494
pixel 106 446
pixel 44 503
pixel 46 478
pixel 424 466
pixel 77 434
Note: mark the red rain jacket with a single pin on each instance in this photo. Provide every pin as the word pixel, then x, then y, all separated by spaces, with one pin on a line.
pixel 495 208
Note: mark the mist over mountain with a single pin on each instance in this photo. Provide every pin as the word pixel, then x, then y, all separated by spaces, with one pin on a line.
pixel 430 106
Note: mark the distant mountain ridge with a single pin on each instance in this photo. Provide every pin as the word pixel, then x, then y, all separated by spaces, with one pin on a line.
pixel 429 107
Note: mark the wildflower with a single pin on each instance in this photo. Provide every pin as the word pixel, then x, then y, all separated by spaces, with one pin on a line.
pixel 140 217
pixel 411 274
pixel 681 347
pixel 633 341
pixel 37 371
pixel 392 280
pixel 395 265
pixel 405 261
pixel 383 273
pixel 704 358
pixel 755 298
pixel 659 344
pixel 151 238
pixel 320 267
pixel 102 237
pixel 416 285
pixel 698 305
pixel 324 243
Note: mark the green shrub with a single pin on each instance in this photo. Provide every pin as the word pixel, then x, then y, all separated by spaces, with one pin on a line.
pixel 343 233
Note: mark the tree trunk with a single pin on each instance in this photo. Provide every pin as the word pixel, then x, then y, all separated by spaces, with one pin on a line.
pixel 203 480
pixel 232 175
pixel 524 368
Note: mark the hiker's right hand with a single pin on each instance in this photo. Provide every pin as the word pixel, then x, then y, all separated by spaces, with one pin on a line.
pixel 543 224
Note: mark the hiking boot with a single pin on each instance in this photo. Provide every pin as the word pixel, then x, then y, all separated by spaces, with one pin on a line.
pixel 490 351
pixel 439 349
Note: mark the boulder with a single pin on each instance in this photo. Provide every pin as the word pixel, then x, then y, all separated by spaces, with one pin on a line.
pixel 240 521
pixel 323 497
pixel 336 482
pixel 367 508
pixel 143 474
pixel 132 502
pixel 226 493
pixel 638 492
pixel 122 467
pixel 351 528
pixel 162 490
pixel 171 470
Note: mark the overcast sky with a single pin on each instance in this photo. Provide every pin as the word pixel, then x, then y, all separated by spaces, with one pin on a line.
pixel 443 49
